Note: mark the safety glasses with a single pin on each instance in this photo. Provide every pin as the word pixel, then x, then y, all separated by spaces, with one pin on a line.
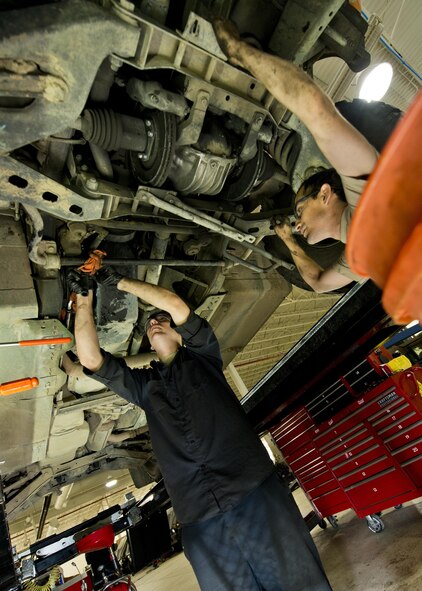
pixel 158 317
pixel 301 200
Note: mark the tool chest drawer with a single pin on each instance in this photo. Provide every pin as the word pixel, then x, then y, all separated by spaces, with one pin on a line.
pixel 326 433
pixel 358 461
pixel 413 469
pixel 391 414
pixel 360 447
pixel 408 420
pixel 368 456
pixel 303 457
pixel 312 470
pixel 372 469
pixel 366 494
pixel 403 436
pixel 312 481
pixel 332 503
pixel 323 489
pixel 293 432
pixel 369 407
pixel 339 448
pixel 411 450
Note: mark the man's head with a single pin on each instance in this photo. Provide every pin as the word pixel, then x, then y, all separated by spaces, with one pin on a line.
pixel 318 206
pixel 161 335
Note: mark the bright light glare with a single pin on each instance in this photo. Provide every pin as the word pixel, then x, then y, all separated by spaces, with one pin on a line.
pixel 111 483
pixel 376 83
pixel 413 323
pixel 269 450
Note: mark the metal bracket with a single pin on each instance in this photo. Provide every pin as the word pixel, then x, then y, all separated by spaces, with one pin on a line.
pixel 249 147
pixel 58 38
pixel 169 202
pixel 200 32
pixel 21 184
pixel 190 130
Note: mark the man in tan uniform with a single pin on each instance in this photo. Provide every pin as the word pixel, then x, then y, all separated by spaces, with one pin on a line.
pixel 325 202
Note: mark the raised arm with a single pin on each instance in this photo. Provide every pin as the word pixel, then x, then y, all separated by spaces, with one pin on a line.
pixel 87 344
pixel 157 296
pixel 345 148
pixel 321 280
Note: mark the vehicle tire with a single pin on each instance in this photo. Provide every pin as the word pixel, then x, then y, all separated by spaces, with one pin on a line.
pixel 376 121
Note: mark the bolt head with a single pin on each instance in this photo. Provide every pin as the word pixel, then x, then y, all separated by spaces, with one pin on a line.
pixel 154 98
pixel 148 122
pixel 92 184
pixel 150 134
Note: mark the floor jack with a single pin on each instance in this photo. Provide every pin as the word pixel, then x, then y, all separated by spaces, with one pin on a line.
pixel 38 567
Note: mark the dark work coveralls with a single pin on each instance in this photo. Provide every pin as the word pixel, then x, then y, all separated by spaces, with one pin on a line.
pixel 240 528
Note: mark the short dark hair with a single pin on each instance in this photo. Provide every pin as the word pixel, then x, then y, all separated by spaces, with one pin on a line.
pixel 314 183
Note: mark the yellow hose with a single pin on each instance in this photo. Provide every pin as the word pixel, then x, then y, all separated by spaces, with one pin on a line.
pixel 48 585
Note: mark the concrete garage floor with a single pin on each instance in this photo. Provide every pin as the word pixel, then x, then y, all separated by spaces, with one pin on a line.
pixel 355 559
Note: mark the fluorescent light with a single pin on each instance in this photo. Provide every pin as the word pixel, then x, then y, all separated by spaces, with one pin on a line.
pixel 376 83
pixel 111 483
pixel 413 323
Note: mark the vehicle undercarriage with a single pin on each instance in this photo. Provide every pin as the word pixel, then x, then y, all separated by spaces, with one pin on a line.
pixel 125 129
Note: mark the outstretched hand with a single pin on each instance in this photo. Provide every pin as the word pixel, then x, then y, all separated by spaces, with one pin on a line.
pixel 108 276
pixel 79 283
pixel 228 39
pixel 282 227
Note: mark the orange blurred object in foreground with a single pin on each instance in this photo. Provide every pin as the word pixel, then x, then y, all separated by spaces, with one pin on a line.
pixel 93 262
pixel 385 237
pixel 38 342
pixel 18 386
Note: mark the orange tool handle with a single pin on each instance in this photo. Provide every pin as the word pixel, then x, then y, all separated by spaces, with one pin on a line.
pixel 18 386
pixel 52 341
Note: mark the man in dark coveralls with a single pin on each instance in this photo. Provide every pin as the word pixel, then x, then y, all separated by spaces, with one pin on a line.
pixel 241 530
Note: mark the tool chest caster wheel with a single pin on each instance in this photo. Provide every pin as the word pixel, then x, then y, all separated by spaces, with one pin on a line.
pixel 322 524
pixel 375 523
pixel 333 521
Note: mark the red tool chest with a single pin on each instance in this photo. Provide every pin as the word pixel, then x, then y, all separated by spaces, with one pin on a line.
pixel 367 456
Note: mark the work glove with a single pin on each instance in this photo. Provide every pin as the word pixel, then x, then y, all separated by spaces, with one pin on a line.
pixel 108 276
pixel 79 283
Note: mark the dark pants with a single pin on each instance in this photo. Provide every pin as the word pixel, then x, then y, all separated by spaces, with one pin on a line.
pixel 262 544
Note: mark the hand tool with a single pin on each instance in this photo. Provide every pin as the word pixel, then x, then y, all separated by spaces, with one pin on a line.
pixel 35 342
pixel 18 386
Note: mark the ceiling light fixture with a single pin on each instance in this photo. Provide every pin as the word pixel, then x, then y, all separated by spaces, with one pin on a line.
pixel 111 483
pixel 376 83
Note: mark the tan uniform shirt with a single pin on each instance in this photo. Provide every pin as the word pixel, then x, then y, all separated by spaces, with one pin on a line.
pixel 353 189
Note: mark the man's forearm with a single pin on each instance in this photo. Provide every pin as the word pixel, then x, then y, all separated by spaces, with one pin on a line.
pixel 86 337
pixel 157 296
pixel 343 146
pixel 289 84
pixel 309 269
